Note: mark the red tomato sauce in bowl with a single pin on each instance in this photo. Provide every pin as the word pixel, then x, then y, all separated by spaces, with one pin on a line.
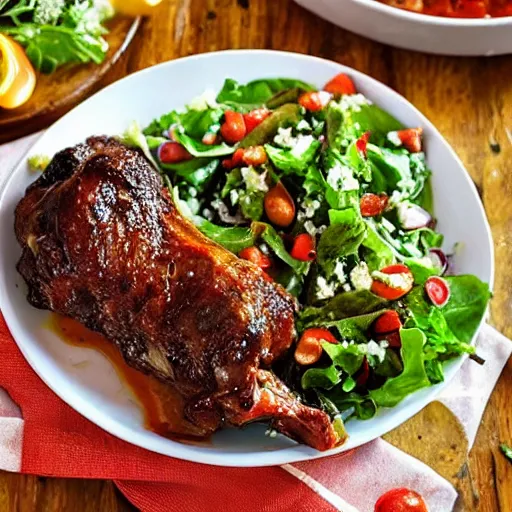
pixel 456 8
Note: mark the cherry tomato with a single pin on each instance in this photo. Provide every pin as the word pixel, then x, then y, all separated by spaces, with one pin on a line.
pixel 340 84
pixel 389 321
pixel 315 101
pixel 389 292
pixel 254 155
pixel 362 142
pixel 303 248
pixel 255 117
pixel 401 500
pixel 365 373
pixel 237 160
pixel 411 139
pixel 373 204
pixel 233 129
pixel 254 255
pixel 437 290
pixel 309 348
pixel 279 206
pixel 172 153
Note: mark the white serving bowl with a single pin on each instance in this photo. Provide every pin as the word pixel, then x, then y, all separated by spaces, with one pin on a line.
pixel 94 389
pixel 413 31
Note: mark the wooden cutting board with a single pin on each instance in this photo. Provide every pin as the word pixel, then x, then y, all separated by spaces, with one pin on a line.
pixel 57 93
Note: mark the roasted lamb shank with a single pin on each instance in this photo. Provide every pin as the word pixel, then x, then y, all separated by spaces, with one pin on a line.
pixel 104 244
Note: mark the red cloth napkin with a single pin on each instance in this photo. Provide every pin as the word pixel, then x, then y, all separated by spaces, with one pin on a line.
pixel 57 441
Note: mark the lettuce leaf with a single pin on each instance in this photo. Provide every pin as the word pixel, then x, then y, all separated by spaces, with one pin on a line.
pixel 290 163
pixel 283 117
pixel 256 93
pixel 413 376
pixel 342 237
pixel 344 305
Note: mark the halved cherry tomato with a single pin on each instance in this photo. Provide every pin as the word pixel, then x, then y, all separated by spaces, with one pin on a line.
pixel 389 321
pixel 309 347
pixel 233 129
pixel 365 373
pixel 254 255
pixel 373 204
pixel 389 292
pixel 279 206
pixel 340 84
pixel 411 139
pixel 255 117
pixel 437 290
pixel 172 153
pixel 362 142
pixel 254 155
pixel 401 500
pixel 315 101
pixel 209 138
pixel 303 248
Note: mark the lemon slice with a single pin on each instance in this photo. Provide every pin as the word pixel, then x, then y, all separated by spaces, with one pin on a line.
pixel 134 7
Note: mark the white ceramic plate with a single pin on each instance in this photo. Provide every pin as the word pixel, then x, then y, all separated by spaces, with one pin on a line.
pixel 94 389
pixel 413 31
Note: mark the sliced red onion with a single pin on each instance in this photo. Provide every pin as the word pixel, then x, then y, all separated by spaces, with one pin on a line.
pixel 412 216
pixel 439 259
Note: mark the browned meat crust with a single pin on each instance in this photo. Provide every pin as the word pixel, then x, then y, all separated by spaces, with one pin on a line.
pixel 103 243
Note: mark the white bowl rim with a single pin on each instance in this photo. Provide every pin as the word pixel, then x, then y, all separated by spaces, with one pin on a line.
pixel 429 19
pixel 271 458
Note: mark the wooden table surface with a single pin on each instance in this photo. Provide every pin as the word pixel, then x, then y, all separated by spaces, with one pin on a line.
pixel 468 99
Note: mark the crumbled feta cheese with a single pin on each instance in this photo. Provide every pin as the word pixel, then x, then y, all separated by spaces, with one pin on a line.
pixel 310 227
pixel 321 229
pixel 396 198
pixel 374 349
pixel 253 180
pixel 192 192
pixel 303 125
pixel 339 272
pixel 301 145
pixel 402 281
pixel 388 226
pixel 346 287
pixel 324 289
pixel 394 138
pixel 207 214
pixel 340 177
pixel 204 101
pixel 360 277
pixel 309 207
pixel 353 102
pixel 233 195
pixel 284 137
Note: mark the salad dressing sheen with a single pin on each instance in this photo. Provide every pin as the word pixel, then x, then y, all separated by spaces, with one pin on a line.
pixel 162 407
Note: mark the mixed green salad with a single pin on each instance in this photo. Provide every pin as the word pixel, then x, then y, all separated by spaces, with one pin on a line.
pixel 329 195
